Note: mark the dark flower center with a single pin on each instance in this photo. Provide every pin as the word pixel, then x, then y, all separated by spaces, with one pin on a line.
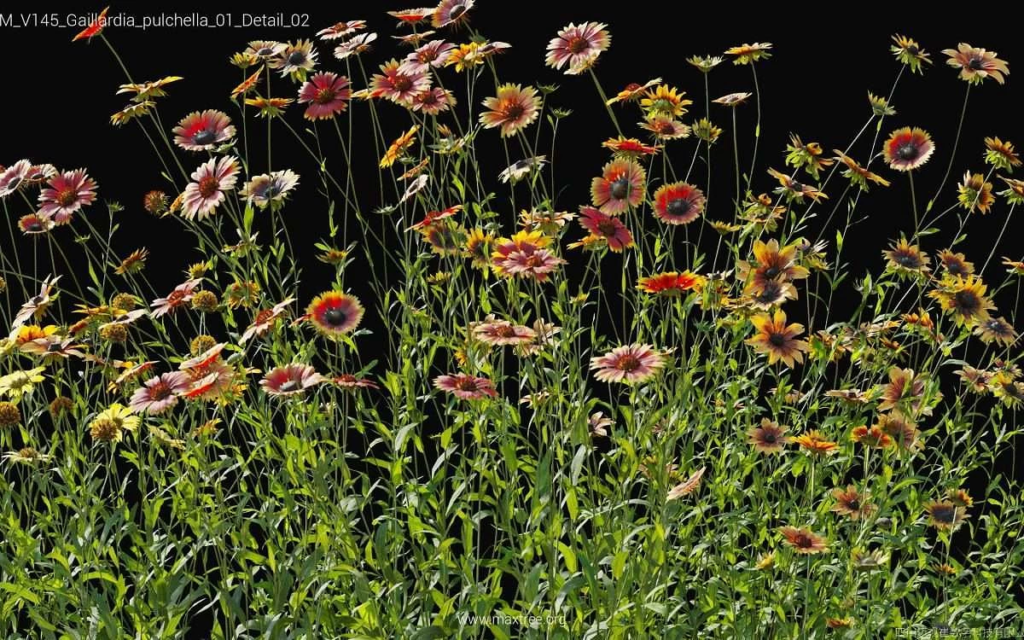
pixel 54 347
pixel 505 331
pixel 976 64
pixel 34 225
pixel 335 317
pixel 208 186
pixel 907 151
pixel 853 504
pixel 679 207
pixel 264 51
pixel 205 136
pixel 803 541
pixel 777 339
pixel 956 268
pixel 159 391
pixel 402 83
pixel 606 227
pixel 628 363
pixel 577 45
pixel 324 96
pixel 296 58
pixel 771 272
pixel 67 197
pixel 943 514
pixel 966 301
pixel 913 50
pixel 768 437
pixel 467 384
pixel 289 385
pixel 796 186
pixel 514 111
pixel 907 260
pixel 620 188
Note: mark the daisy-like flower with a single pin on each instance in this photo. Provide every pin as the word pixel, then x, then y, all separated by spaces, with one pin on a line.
pixel 94 28
pixel 341 30
pixel 686 487
pixel 434 53
pixel 247 85
pixel 26 455
pixel 769 437
pixel 501 332
pixel 210 183
pixel 578 46
pixel 397 84
pixel 678 203
pixel 975 193
pixel 964 299
pixel 110 425
pixel 629 364
pixel 794 189
pixel 147 91
pixel 880 106
pixel 269 107
pixel 808 156
pixel 901 429
pixel 874 436
pixel 38 304
pixel 750 53
pixel 132 111
pixel 770 293
pixel 620 186
pixel 335 314
pixel 609 228
pixel 513 109
pixel 296 60
pixel 629 147
pixel 666 101
pixel 270 189
pixel 265 49
pixel 671 283
pixel 732 99
pixel 66 194
pixel 451 13
pixel 852 503
pixel 857 174
pixel 908 52
pixel 327 95
pixel 181 296
pixel 908 148
pixel 521 168
pixel 1001 155
pixel 350 382
pixel 399 147
pixel 203 130
pixel 907 259
pixel 814 443
pixel 265 320
pixel 355 46
pixel 955 264
pixel 633 91
pixel 525 255
pixel 777 339
pixel 803 541
pixel 977 64
pixel 466 387
pixel 159 395
pixel 34 224
pixel 665 127
pixel 772 262
pixel 14 177
pixel 291 380
pixel 945 515
pixel 706 131
pixel 996 330
pixel 20 383
pixel 433 101
pixel 135 262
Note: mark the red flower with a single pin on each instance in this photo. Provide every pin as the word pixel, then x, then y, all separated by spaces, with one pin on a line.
pixel 327 94
pixel 678 203
pixel 604 226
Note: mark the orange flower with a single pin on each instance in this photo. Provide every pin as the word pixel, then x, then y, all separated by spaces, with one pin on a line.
pixel 777 339
pixel 816 444
pixel 803 540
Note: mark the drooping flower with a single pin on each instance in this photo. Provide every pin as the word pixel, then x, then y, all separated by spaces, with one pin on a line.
pixel 181 295
pixel 732 99
pixel 66 194
pixel 94 28
pixel 412 16
pixel 803 541
pixel 159 395
pixel 609 228
pixel 975 193
pixel 687 486
pixel 355 46
pixel 678 203
pixel 521 168
pixel 620 186
pixel 351 382
pixel 909 52
pixel 399 147
pixel 450 13
pixel 203 130
pixel 815 444
pixel 1001 155
pixel 466 387
pixel 630 364
pixel 578 46
pixel 209 186
pixel 908 148
pixel 327 95
pixel 265 320
pixel 335 314
pixel 291 380
pixel 269 189
pixel 977 64
pixel 793 189
pixel 513 109
pixel 874 436
pixel 37 305
pixel 633 91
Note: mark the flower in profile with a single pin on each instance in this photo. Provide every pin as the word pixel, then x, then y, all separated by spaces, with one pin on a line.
pixel 270 189
pixel 265 321
pixel 732 99
pixel 514 108
pixel 902 429
pixel 521 168
pixel 451 13
pixel 671 283
pixel 1001 155
pixel 598 425
pixel 269 107
pixel 803 541
pixel 38 304
pixel 296 60
pixel 291 380
pixel 94 28
pixel 769 437
pixel 857 174
pixel 908 148
pixel 502 332
pixel 210 183
pixel 135 262
pixel 664 100
pixel 203 130
pixel 686 487
pixel 620 186
pixel 399 147
pixel 964 299
pixel 335 314
pixel 265 49
pixel 66 194
pixel 808 156
pixel 629 147
pixel 629 364
pixel 678 203
pixel 706 131
pixel 340 30
pixel 525 255
pixel 14 177
pixel 34 224
pixel 794 189
pixel 632 92
pixel 996 330
pixel 355 46
pixel 433 101
pixel 110 425
pixel 665 127
pixel 159 395
pixel 977 64
pixel 181 295
pixel 909 52
pixel 705 64
pixel 26 455
pixel 880 106
pixel 975 193
pixel 749 53
pixel 327 95
pixel 431 54
pixel 412 16
pixel 466 387
pixel 852 503
pixel 907 259
pixel 350 382
pixel 874 436
pixel 609 228
pixel 578 46
pixel 944 515
pixel 814 443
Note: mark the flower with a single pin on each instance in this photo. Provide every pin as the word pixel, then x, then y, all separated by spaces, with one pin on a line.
pixel 265 320
pixel 210 182
pixel 412 16
pixel 772 262
pixel 501 332
pixel 354 46
pixel 398 83
pixel 181 295
pixel 341 29
pixel 666 101
pixel 945 515
pixel 14 177
pixel 525 255
pixel 66 194
pixel 451 13
pixel 975 192
pixel 794 189
pixel 110 425
pixel 20 383
pixel 769 437
pixel 803 541
pixel 434 53
pixel 732 99
pixel 34 224
pixel 633 91
pixel 290 380
pixel 686 487
pixel 815 444
pixel 665 127
pixel 671 283
pixel 1001 155
pixel 620 186
pixel 433 101
pixel 705 64
pixel 579 46
pixel 26 455
pixel 629 364
pixel 706 131
pixel 327 95
pixel 996 330
pixel 334 313
pixel 906 258
pixel 606 227
pixel 135 262
pixel 749 53
pixel 159 395
pixel 10 414
pixel 874 436
pixel 296 59
pixel 908 148
pixel 629 147
pixel 400 145
pixel 37 304
pixel 95 27
pixel 806 155
pixel 269 189
pixel 964 299
pixel 880 106
pixel 521 168
pixel 466 387
pixel 976 64
pixel 678 203
pixel 852 503
pixel 514 108
pixel 203 130
pixel 269 107
pixel 352 383
pixel 908 52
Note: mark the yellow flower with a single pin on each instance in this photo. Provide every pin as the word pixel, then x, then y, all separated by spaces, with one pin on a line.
pixel 110 425
pixel 20 383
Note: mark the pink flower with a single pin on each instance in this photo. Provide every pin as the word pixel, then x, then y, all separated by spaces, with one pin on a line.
pixel 327 94
pixel 290 380
pixel 466 387
pixel 158 395
pixel 630 364
pixel 67 193
pixel 203 130
pixel 604 226
pixel 181 295
pixel 579 46
pixel 398 86
pixel 209 184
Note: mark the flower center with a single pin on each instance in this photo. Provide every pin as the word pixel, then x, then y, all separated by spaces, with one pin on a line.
pixel 679 207
pixel 629 363
pixel 620 188
pixel 466 384
pixel 208 186
pixel 907 260
pixel 402 83
pixel 976 64
pixel 159 391
pixel 513 110
pixel 777 339
pixel 769 438
pixel 335 317
pixel 606 227
pixel 66 197
pixel 803 541
pixel 289 385
pixel 771 272
pixel 206 136
pixel 577 45
pixel 966 301
pixel 796 186
pixel 324 96
pixel 853 504
pixel 907 151
pixel 296 58
pixel 505 331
